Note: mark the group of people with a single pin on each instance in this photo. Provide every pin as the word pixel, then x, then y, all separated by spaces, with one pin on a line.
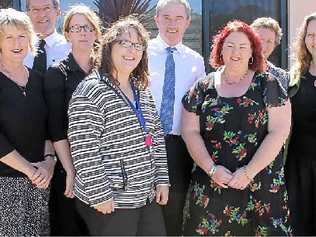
pixel 106 132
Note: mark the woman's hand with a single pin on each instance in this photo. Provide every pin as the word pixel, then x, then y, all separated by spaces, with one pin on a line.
pixel 70 178
pixel 106 207
pixel 40 177
pixel 162 194
pixel 240 179
pixel 222 176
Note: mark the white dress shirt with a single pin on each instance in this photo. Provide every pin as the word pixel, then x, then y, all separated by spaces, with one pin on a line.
pixel 57 48
pixel 189 66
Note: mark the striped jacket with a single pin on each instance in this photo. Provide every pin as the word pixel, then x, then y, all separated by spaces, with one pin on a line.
pixel 108 149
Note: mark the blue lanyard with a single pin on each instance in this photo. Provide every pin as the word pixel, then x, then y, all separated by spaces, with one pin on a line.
pixel 137 109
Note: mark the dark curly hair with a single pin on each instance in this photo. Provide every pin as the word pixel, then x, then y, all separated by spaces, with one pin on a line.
pixel 216 60
pixel 104 60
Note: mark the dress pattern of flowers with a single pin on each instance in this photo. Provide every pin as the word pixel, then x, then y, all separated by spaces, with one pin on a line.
pixel 233 129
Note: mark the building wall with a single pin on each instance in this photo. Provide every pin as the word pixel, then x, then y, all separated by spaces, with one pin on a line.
pixel 297 10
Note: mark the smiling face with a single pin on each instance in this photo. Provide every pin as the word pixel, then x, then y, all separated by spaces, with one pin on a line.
pixel 81 34
pixel 14 44
pixel 125 56
pixel 268 40
pixel 236 51
pixel 43 15
pixel 310 38
pixel 172 22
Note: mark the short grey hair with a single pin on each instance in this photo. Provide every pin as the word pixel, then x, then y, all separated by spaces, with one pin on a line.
pixel 163 3
pixel 56 4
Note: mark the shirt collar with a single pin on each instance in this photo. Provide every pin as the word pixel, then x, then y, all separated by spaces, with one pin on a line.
pixel 162 45
pixel 51 39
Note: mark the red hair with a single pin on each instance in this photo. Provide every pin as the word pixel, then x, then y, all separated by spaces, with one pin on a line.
pixel 216 60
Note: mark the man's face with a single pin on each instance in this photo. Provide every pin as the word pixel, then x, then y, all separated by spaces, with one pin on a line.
pixel 172 21
pixel 268 38
pixel 43 15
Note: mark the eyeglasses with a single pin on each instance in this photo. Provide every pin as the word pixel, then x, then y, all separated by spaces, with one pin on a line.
pixel 80 28
pixel 128 44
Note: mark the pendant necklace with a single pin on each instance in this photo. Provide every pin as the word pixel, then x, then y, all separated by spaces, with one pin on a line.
pixel 230 83
pixel 23 89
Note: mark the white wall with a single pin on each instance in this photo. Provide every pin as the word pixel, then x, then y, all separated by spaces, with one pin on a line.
pixel 297 10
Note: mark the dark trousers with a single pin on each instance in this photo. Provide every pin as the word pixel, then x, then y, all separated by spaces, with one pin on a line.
pixel 143 221
pixel 64 219
pixel 301 182
pixel 180 166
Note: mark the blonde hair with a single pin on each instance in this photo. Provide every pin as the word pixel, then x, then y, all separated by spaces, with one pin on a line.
pixel 302 57
pixel 13 18
pixel 91 16
pixel 271 24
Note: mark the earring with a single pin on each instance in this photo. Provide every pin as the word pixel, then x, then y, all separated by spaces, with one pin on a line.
pixel 251 60
pixel 221 58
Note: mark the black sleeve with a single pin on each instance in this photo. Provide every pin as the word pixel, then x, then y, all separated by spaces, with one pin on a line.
pixel 194 98
pixel 5 146
pixel 54 92
pixel 273 93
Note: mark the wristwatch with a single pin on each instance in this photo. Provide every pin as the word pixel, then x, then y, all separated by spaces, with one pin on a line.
pixel 54 157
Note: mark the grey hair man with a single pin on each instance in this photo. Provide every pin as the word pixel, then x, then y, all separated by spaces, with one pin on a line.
pixel 44 14
pixel 173 68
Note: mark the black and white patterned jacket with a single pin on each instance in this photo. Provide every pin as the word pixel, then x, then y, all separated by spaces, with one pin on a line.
pixel 108 149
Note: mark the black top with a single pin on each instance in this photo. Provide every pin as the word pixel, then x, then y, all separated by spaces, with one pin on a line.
pixel 60 82
pixel 22 120
pixel 303 137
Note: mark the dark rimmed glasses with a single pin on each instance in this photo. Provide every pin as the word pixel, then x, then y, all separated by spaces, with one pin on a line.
pixel 129 45
pixel 80 28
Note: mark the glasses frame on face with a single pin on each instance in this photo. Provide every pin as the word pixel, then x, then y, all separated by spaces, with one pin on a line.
pixel 129 45
pixel 79 28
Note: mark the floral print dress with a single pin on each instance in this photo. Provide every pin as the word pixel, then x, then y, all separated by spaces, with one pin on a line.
pixel 233 129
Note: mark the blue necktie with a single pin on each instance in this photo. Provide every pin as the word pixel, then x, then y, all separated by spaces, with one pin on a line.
pixel 168 93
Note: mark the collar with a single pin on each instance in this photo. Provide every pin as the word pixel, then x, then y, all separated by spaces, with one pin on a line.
pixel 70 64
pixel 51 39
pixel 162 45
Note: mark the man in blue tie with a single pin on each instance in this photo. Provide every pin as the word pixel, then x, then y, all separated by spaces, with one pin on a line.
pixel 173 68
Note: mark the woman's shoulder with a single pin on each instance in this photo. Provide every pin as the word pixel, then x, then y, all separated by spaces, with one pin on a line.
pixel 91 85
pixel 207 82
pixel 35 75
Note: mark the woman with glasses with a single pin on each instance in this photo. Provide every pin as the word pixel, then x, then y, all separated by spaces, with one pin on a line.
pixel 117 142
pixel 82 29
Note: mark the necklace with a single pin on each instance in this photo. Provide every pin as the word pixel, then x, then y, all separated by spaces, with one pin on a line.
pixel 232 82
pixel 11 76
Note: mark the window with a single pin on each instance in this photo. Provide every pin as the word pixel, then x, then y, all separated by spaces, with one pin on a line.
pixel 216 13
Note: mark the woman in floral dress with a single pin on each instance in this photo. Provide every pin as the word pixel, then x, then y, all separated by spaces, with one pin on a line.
pixel 235 122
